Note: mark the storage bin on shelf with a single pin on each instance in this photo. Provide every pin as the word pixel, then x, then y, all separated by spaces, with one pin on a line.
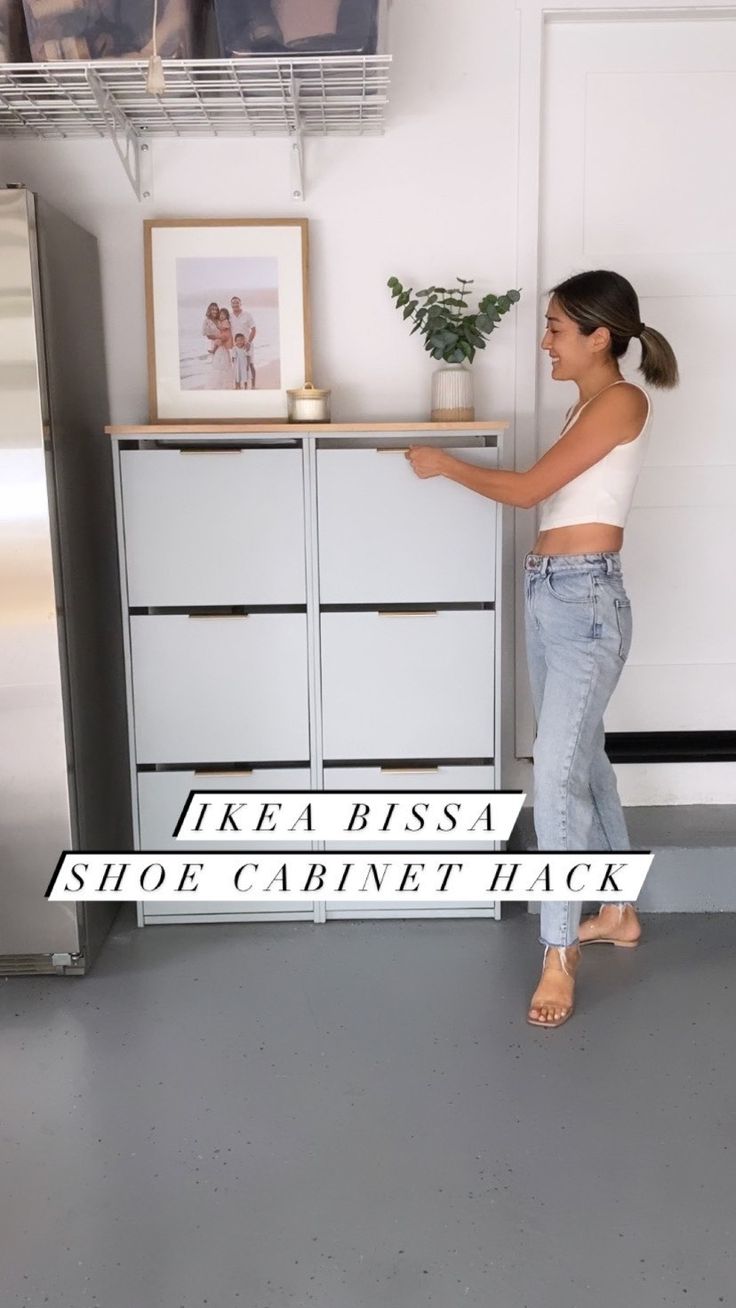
pixel 300 27
pixel 13 35
pixel 109 29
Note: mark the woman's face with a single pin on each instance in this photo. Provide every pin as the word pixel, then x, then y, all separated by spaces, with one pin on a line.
pixel 571 352
pixel 562 340
pixel 558 338
pixel 213 310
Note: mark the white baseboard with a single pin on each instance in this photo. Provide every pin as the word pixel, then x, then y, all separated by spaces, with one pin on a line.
pixel 676 783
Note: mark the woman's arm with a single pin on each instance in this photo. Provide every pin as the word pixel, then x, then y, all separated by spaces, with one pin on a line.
pixel 618 416
pixel 504 487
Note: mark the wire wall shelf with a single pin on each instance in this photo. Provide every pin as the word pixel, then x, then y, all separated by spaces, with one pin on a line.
pixel 292 97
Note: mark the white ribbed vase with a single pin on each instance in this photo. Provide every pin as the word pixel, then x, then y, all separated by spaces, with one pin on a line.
pixel 452 394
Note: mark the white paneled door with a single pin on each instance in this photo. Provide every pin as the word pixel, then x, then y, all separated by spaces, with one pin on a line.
pixel 638 119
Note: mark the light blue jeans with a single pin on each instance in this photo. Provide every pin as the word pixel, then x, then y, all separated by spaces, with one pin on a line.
pixel 578 634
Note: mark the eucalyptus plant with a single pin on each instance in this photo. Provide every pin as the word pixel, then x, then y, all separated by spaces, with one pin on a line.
pixel 449 333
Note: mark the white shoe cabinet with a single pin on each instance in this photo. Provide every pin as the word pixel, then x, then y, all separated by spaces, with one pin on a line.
pixel 302 611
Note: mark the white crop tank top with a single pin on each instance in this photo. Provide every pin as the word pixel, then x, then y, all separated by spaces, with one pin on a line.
pixel 603 493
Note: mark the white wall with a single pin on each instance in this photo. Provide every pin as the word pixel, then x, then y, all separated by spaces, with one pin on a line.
pixel 433 198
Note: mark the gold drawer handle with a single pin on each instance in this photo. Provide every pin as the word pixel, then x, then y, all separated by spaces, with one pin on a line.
pixel 409 770
pixel 218 615
pixel 407 613
pixel 391 449
pixel 215 449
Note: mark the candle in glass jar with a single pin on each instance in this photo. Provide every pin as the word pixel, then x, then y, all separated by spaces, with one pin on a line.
pixel 309 404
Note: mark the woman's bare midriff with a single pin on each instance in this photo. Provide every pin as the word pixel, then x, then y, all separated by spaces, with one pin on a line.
pixel 582 538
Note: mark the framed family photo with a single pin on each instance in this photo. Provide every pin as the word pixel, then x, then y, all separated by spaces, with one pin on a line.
pixel 227 305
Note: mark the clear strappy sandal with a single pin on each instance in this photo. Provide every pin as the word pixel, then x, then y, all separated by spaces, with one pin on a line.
pixel 609 940
pixel 535 1021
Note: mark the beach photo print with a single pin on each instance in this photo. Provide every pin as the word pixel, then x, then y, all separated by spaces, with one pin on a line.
pixel 227 308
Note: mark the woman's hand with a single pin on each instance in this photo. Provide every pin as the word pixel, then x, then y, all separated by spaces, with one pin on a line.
pixel 426 460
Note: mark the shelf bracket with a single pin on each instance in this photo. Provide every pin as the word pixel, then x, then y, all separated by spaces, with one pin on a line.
pixel 133 152
pixel 296 145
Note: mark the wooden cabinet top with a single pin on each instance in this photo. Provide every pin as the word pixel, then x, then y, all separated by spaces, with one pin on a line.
pixel 297 429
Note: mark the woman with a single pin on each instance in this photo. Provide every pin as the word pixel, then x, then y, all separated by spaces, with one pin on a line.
pixel 211 328
pixel 577 614
pixel 223 376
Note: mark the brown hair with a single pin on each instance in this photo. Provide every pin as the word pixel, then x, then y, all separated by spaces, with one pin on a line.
pixel 606 299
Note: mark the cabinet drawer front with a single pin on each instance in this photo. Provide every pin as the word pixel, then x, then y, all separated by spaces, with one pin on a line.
pixel 443 777
pixel 213 528
pixel 416 686
pixel 214 689
pixel 390 536
pixel 162 796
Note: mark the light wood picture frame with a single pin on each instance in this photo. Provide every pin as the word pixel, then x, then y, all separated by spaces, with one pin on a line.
pixel 227 315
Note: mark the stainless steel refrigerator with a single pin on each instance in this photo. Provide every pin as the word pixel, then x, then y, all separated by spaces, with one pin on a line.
pixel 64 775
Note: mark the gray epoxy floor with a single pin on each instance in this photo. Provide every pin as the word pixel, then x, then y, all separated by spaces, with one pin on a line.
pixel 357 1115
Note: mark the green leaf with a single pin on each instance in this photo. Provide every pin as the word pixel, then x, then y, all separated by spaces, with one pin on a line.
pixel 457 356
